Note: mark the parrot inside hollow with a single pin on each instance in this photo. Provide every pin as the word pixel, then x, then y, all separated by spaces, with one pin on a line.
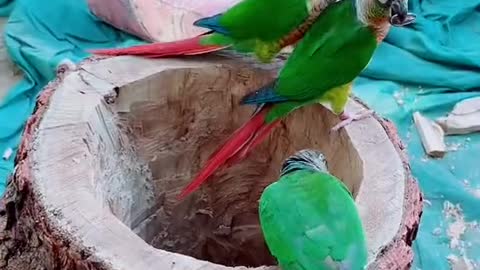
pixel 262 27
pixel 309 218
pixel 333 52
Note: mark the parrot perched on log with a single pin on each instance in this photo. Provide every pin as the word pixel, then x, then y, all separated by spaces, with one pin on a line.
pixel 262 27
pixel 309 218
pixel 333 52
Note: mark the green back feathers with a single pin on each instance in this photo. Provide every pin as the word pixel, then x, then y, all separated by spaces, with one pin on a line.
pixel 268 20
pixel 308 216
pixel 258 26
pixel 332 53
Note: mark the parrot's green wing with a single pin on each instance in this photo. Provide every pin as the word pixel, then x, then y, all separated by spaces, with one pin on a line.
pixel 332 53
pixel 309 219
pixel 268 20
pixel 258 26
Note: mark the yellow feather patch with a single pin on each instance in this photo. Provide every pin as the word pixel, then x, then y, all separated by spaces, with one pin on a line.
pixel 266 51
pixel 336 98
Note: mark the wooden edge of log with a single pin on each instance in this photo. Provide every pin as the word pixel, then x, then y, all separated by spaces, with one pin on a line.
pixel 19 206
pixel 18 231
pixel 399 254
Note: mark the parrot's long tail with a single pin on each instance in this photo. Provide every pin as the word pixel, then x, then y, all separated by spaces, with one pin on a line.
pixel 190 46
pixel 235 149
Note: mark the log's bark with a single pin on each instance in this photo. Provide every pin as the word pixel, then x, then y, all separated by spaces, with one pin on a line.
pixel 111 144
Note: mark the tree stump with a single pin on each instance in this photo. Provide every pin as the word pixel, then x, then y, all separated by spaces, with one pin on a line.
pixel 112 143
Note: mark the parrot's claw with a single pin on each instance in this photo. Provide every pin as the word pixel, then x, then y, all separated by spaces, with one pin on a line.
pixel 347 119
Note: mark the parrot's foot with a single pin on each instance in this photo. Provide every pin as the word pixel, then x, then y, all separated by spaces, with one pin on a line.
pixel 347 119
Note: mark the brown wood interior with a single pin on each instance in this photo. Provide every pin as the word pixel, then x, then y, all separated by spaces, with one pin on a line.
pixel 174 130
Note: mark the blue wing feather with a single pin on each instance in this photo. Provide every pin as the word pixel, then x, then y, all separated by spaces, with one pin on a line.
pixel 265 94
pixel 212 23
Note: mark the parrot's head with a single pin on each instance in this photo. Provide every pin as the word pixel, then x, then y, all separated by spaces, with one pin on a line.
pixel 306 159
pixel 396 10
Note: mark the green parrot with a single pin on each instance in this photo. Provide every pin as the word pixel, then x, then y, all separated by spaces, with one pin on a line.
pixel 309 218
pixel 333 52
pixel 262 27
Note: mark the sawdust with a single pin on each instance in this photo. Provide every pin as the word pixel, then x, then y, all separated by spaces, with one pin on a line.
pixel 475 191
pixel 457 226
pixel 456 230
pixel 437 231
pixel 460 263
pixel 398 96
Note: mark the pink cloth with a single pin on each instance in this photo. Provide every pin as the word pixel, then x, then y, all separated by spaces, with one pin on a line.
pixel 158 20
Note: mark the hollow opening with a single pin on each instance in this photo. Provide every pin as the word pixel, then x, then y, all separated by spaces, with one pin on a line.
pixel 170 123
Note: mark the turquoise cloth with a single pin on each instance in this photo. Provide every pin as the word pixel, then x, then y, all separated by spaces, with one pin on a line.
pixel 6 7
pixel 37 36
pixel 430 66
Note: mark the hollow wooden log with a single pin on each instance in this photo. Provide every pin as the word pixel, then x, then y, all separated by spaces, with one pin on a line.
pixel 112 143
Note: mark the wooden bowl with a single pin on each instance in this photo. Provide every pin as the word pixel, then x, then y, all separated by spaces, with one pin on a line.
pixel 112 143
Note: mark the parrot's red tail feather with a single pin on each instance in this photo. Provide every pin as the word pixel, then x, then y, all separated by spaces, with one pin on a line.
pixel 191 46
pixel 258 139
pixel 236 148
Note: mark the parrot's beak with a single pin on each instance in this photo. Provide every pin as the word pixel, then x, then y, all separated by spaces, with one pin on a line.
pixel 400 15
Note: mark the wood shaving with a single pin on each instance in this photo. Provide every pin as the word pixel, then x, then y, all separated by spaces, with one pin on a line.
pixel 7 154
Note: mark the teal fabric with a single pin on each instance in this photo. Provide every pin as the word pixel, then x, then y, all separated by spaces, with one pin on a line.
pixel 37 36
pixel 6 7
pixel 431 66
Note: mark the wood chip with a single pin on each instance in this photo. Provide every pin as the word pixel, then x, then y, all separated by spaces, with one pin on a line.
pixel 463 119
pixel 431 134
pixel 7 154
